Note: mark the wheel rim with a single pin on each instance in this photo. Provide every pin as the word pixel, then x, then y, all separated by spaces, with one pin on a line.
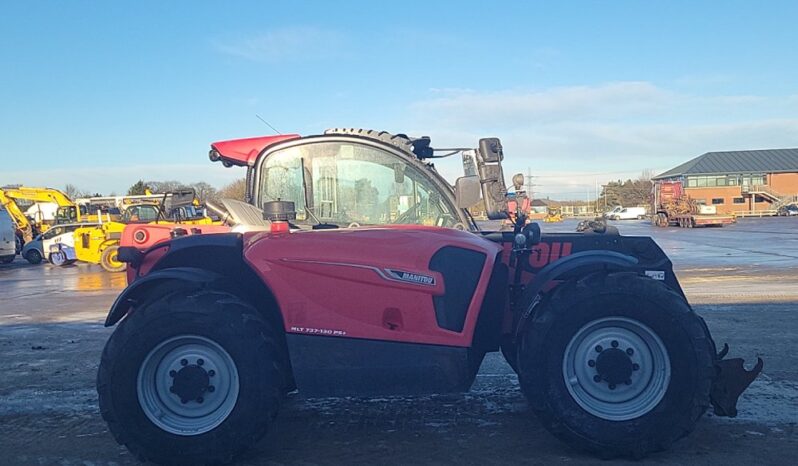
pixel 34 256
pixel 616 368
pixel 58 257
pixel 111 259
pixel 188 385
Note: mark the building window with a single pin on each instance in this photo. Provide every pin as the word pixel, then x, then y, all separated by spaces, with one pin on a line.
pixel 717 201
pixel 754 180
pixel 739 200
pixel 710 181
pixel 701 201
pixel 759 199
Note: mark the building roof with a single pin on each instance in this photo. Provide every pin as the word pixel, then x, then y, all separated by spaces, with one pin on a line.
pixel 742 161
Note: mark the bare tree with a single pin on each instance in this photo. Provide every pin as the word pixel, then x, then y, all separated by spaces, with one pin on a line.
pixel 204 191
pixel 166 186
pixel 646 175
pixel 71 191
pixel 235 190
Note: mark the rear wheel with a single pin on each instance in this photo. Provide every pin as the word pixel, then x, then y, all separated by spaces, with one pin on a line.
pixel 617 365
pixel 192 378
pixel 109 260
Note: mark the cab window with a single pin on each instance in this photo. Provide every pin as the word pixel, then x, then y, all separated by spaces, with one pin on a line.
pixel 52 232
pixel 349 184
pixel 142 213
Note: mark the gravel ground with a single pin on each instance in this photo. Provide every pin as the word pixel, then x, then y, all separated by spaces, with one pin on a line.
pixel 739 279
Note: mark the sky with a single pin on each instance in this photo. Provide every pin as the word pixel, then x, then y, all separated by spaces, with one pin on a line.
pixel 101 94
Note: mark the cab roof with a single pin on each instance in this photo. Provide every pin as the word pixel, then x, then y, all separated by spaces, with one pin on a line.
pixel 244 152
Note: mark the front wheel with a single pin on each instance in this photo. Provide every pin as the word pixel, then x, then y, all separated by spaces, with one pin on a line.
pixel 109 260
pixel 33 256
pixel 617 365
pixel 191 378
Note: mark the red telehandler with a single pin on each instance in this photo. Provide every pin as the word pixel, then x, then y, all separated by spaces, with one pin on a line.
pixel 366 276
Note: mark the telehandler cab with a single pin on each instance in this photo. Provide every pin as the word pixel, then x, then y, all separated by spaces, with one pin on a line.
pixel 214 330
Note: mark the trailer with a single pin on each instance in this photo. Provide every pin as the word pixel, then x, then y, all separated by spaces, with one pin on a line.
pixel 696 220
pixel 673 207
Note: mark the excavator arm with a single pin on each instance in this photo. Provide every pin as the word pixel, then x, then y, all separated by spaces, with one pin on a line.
pixel 39 195
pixel 10 195
pixel 22 222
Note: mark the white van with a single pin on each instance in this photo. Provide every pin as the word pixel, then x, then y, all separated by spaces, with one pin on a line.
pixel 629 213
pixel 8 237
pixel 611 213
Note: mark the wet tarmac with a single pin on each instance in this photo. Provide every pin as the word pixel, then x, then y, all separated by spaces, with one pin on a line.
pixel 739 278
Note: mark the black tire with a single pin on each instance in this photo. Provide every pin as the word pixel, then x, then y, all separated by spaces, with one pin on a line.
pixel 33 256
pixel 575 306
pixel 226 321
pixel 109 261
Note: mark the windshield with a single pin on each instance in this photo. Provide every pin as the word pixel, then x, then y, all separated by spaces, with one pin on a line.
pixel 353 184
pixel 140 213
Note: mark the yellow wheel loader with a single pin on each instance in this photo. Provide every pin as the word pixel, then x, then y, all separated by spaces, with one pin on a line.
pixel 99 244
pixel 553 215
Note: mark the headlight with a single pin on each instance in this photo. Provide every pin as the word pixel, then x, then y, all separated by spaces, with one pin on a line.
pixel 140 236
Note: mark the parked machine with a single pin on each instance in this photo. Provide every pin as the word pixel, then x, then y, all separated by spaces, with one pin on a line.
pixel 672 207
pixel 214 329
pixel 553 215
pixel 98 244
pixel 68 211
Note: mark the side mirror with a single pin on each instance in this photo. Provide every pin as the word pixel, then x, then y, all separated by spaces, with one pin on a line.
pixel 491 150
pixel 494 191
pixel 466 191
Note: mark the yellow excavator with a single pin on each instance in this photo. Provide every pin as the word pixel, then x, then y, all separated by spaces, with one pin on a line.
pixel 68 211
pixel 98 244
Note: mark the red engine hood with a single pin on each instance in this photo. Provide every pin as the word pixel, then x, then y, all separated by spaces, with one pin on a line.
pixel 144 236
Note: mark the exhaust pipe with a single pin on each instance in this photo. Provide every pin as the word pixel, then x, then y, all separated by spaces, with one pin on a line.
pixel 223 214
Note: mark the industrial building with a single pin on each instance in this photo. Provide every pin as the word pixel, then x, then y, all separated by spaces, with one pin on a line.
pixel 751 182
